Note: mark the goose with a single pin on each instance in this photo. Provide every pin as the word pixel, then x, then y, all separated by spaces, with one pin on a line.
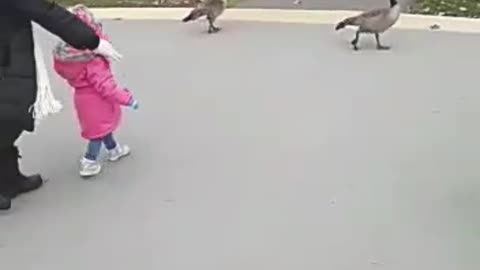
pixel 375 21
pixel 212 9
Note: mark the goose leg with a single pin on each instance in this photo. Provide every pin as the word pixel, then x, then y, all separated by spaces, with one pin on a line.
pixel 379 45
pixel 211 27
pixel 355 40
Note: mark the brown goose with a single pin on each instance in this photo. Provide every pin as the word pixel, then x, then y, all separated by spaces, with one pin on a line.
pixel 374 21
pixel 212 9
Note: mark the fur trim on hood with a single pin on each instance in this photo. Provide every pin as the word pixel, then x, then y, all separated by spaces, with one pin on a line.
pixel 67 53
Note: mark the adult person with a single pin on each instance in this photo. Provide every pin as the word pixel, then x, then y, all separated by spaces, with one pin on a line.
pixel 18 82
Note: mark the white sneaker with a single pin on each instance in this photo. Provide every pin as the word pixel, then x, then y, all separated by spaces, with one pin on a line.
pixel 89 167
pixel 119 152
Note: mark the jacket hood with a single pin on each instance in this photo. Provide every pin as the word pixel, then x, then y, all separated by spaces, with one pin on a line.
pixel 67 53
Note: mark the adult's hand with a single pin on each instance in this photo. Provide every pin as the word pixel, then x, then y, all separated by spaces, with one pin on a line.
pixel 106 49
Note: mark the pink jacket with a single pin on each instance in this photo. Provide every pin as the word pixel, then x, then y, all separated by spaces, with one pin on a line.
pixel 97 97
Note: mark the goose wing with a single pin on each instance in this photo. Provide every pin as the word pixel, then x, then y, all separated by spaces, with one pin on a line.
pixel 374 13
pixel 369 15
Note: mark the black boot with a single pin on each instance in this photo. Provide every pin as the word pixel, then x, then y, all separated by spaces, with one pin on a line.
pixel 20 183
pixel 5 201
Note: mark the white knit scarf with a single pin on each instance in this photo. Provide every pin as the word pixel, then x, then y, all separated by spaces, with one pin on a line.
pixel 45 104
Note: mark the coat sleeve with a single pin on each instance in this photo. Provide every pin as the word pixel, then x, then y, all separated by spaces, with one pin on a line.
pixel 101 77
pixel 58 21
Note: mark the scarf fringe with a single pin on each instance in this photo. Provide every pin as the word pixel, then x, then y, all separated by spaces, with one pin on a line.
pixel 45 104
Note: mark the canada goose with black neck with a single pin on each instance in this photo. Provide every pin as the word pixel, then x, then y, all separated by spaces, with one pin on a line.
pixel 374 21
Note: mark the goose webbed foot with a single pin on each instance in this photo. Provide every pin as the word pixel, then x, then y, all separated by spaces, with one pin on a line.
pixel 213 29
pixel 355 47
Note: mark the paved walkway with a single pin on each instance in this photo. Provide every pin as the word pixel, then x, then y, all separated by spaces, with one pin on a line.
pixel 320 4
pixel 266 146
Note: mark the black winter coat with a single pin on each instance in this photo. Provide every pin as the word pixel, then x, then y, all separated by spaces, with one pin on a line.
pixel 18 84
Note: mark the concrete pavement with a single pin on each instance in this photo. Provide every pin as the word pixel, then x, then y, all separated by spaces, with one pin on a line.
pixel 266 146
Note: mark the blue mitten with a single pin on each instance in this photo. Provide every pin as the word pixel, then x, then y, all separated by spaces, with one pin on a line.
pixel 133 103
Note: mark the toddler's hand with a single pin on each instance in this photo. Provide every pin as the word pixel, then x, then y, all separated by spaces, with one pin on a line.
pixel 133 103
pixel 106 49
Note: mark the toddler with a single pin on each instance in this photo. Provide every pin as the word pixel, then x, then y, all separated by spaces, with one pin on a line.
pixel 97 97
